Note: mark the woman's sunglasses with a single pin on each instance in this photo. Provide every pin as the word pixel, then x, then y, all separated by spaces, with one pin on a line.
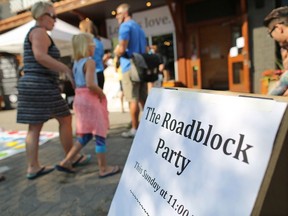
pixel 53 16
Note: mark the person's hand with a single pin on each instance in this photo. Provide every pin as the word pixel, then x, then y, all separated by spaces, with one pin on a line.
pixel 286 93
pixel 69 75
pixel 285 63
pixel 100 94
pixel 117 64
pixel 284 56
pixel 284 53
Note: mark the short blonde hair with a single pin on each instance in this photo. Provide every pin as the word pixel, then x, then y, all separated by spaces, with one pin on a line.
pixel 80 44
pixel 39 8
pixel 88 26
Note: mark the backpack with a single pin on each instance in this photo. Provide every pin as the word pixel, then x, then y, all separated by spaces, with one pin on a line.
pixel 146 67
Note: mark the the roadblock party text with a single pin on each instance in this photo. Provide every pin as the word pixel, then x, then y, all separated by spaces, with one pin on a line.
pixel 198 132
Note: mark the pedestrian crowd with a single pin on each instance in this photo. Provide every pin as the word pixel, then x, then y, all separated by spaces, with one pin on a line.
pixel 40 96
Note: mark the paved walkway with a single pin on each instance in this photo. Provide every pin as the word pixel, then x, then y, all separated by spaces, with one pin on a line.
pixel 58 193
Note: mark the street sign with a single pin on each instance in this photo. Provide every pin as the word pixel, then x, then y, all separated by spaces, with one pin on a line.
pixel 198 154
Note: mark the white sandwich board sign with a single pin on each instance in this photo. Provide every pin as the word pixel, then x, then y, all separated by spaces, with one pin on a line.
pixel 198 154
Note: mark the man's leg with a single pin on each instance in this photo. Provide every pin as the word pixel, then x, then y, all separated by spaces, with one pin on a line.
pixel 131 96
pixel 143 94
pixel 135 93
pixel 134 113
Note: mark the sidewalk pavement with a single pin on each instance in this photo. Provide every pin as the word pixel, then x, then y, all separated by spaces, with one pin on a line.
pixel 60 194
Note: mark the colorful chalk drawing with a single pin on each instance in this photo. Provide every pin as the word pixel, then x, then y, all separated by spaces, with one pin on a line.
pixel 13 142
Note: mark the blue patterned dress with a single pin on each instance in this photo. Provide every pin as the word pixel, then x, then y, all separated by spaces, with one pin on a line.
pixel 39 93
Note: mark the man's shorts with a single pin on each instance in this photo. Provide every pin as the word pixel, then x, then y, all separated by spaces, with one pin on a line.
pixel 133 91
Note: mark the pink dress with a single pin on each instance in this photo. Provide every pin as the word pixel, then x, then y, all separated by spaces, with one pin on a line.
pixel 91 114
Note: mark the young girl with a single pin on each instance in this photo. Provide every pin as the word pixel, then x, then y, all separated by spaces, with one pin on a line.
pixel 90 106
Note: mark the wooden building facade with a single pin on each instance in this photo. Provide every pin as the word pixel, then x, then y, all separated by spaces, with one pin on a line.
pixel 220 44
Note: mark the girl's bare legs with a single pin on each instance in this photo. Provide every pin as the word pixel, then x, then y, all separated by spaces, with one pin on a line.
pixel 101 159
pixel 103 168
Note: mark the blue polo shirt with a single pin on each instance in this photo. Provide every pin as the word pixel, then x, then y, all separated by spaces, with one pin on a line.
pixel 134 34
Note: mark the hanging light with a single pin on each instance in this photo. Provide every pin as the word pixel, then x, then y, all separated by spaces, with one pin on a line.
pixel 167 43
pixel 148 4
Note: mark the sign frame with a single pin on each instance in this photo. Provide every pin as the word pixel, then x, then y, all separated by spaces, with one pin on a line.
pixel 274 182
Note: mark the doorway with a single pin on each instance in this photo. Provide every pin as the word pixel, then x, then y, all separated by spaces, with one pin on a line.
pixel 214 44
pixel 210 63
pixel 211 36
pixel 208 49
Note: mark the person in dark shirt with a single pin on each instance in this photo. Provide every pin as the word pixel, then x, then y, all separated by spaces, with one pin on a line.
pixel 277 24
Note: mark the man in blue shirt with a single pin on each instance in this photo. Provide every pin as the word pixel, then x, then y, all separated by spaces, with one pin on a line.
pixel 131 39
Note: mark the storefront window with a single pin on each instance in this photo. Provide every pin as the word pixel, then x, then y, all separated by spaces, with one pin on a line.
pixel 195 75
pixel 237 71
pixel 236 33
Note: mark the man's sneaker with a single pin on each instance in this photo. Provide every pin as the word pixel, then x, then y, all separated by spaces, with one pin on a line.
pixel 129 134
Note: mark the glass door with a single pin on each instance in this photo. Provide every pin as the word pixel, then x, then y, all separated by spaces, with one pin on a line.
pixel 194 79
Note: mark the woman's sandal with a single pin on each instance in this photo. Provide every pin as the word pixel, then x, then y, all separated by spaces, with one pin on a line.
pixel 115 170
pixel 82 162
pixel 64 169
